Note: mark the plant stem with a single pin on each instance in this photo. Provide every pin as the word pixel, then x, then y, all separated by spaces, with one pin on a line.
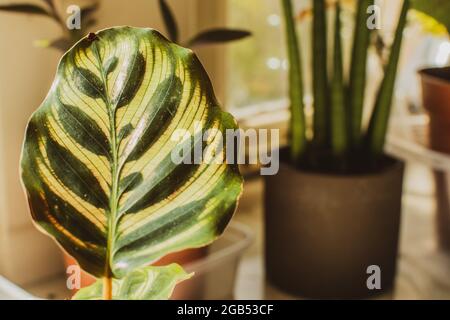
pixel 357 86
pixel 107 288
pixel 297 128
pixel 376 134
pixel 339 138
pixel 320 81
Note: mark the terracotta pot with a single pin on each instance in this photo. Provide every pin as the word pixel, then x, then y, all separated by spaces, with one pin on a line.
pixel 184 290
pixel 324 231
pixel 436 99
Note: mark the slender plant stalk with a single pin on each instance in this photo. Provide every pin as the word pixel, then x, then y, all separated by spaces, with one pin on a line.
pixel 357 85
pixel 107 288
pixel 320 82
pixel 339 137
pixel 297 130
pixel 376 134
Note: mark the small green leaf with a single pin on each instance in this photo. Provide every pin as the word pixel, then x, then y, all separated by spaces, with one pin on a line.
pixel 376 134
pixel 147 283
pixel 219 35
pixel 24 8
pixel 169 20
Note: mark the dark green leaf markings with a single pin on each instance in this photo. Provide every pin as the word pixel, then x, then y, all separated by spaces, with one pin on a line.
pixel 83 129
pixel 133 83
pixel 88 83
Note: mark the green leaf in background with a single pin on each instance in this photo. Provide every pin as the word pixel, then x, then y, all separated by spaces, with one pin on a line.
pixel 147 283
pixel 358 71
pixel 438 9
pixel 376 133
pixel 320 75
pixel 169 20
pixel 219 35
pixel 24 8
pixel 339 129
pixel 97 158
pixel 61 43
pixel 297 136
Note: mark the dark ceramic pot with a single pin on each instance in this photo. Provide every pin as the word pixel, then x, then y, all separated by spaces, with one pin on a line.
pixel 323 232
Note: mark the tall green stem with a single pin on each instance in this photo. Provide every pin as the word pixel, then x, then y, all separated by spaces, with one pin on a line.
pixel 320 82
pixel 357 86
pixel 297 128
pixel 339 138
pixel 376 134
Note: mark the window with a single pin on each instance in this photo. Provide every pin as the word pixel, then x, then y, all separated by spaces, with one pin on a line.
pixel 256 66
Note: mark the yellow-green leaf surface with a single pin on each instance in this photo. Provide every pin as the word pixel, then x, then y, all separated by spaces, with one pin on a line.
pixel 147 283
pixel 97 158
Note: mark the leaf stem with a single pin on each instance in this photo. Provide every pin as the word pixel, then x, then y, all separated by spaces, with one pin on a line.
pixel 376 134
pixel 358 69
pixel 339 138
pixel 297 128
pixel 107 288
pixel 320 75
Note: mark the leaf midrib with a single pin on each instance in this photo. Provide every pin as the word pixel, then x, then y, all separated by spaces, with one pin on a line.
pixel 113 200
pixel 116 166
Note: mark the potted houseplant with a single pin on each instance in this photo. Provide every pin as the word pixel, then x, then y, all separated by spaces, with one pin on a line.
pixel 333 210
pixel 436 100
pixel 98 161
pixel 436 82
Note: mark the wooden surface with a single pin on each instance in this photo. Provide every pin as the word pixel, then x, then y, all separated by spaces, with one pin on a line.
pixel 423 271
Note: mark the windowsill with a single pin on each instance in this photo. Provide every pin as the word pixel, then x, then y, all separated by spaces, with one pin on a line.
pixel 261 115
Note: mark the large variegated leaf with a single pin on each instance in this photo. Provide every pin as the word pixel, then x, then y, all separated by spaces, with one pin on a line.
pixel 147 283
pixel 97 158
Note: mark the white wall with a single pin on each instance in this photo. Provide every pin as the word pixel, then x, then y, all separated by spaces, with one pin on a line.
pixel 26 73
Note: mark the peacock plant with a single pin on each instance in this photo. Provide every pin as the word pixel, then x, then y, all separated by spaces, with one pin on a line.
pixel 97 161
pixel 340 142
